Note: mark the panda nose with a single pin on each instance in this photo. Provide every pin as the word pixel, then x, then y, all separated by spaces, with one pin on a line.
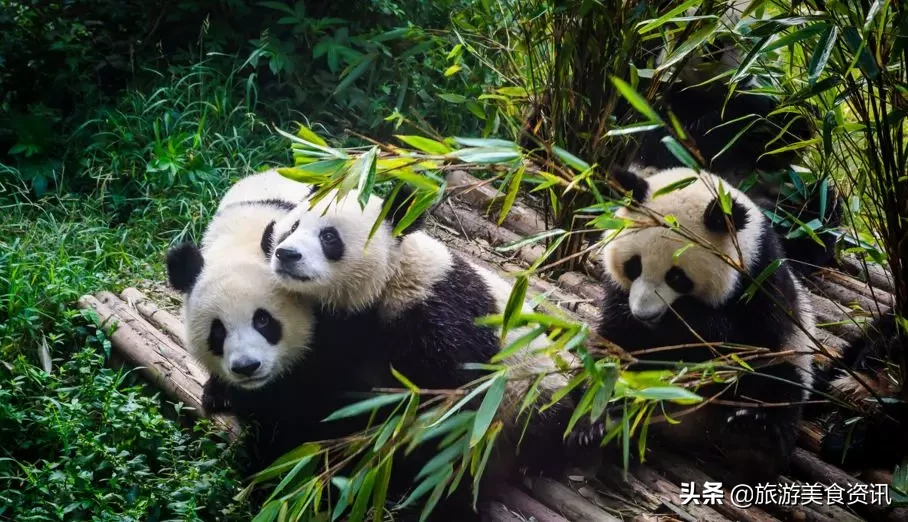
pixel 287 254
pixel 245 366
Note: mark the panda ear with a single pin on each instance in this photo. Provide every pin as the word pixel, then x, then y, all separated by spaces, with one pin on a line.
pixel 714 216
pixel 401 199
pixel 630 182
pixel 184 264
pixel 267 241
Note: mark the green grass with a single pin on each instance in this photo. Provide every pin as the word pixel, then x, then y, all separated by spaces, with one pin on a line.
pixel 86 441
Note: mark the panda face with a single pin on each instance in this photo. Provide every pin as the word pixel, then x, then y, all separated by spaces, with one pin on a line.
pixel 325 252
pixel 243 327
pixel 657 266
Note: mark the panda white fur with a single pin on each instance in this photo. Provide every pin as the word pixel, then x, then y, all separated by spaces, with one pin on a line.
pixel 657 294
pixel 245 329
pixel 414 304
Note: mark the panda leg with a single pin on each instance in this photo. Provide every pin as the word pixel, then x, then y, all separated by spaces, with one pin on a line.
pixel 757 441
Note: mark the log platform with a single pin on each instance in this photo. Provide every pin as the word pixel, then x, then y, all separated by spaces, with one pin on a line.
pixel 147 333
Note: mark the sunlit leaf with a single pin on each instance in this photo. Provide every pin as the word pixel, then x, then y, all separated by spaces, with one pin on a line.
pixel 367 406
pixel 511 196
pixel 307 134
pixel 489 407
pixel 530 240
pixel 636 101
pixel 677 185
pixel 667 393
pixel 426 145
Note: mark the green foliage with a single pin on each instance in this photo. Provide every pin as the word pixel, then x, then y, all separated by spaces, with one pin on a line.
pixel 82 443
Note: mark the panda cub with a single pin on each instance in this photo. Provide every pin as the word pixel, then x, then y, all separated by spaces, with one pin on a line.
pixel 661 290
pixel 246 330
pixel 415 302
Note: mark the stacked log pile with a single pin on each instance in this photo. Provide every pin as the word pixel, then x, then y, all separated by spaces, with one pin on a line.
pixel 151 338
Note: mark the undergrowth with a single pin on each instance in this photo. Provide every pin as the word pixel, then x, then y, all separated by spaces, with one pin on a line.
pixel 82 441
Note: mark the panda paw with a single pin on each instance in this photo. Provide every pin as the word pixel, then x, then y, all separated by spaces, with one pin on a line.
pixel 586 435
pixel 753 444
pixel 215 398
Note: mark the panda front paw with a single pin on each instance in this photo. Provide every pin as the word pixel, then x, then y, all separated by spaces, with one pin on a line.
pixel 215 398
pixel 754 445
pixel 586 435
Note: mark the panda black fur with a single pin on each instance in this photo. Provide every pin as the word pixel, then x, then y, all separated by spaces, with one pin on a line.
pixel 415 303
pixel 877 438
pixel 242 327
pixel 654 298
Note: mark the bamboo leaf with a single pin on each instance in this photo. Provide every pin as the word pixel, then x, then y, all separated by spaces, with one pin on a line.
pixel 515 303
pixel 452 70
pixel 678 185
pixel 821 54
pixel 367 406
pixel 631 129
pixel 511 196
pixel 667 393
pixel 764 274
pixel 486 155
pixel 530 240
pixel 488 408
pixel 435 496
pixel 364 170
pixel 796 36
pixel 427 484
pixel 382 481
pixel 649 25
pixel 351 75
pixel 636 101
pixel 426 145
pixel 486 143
pixel 490 443
pixel 680 152
pixel 403 380
pixel 460 404
pixel 307 134
pixel 442 459
pixel 570 160
pixel 363 495
pixel 690 44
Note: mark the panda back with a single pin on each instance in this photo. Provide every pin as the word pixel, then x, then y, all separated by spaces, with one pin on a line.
pixel 265 186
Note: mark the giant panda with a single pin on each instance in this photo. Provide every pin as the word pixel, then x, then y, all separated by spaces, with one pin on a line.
pixel 733 127
pixel 874 435
pixel 416 303
pixel 245 329
pixel 664 289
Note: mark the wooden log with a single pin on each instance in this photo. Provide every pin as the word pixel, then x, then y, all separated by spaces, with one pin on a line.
pixel 822 284
pixel 159 360
pixel 563 499
pixel 497 512
pixel 474 226
pixel 878 296
pixel 874 274
pixel 581 285
pixel 631 489
pixel 526 505
pixel 812 468
pixel 835 319
pixel 670 496
pixel 682 470
pixel 161 319
pixel 487 200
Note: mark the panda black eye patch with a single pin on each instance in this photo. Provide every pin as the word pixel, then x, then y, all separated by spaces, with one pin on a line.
pixel 265 324
pixel 678 280
pixel 332 244
pixel 216 337
pixel 633 267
